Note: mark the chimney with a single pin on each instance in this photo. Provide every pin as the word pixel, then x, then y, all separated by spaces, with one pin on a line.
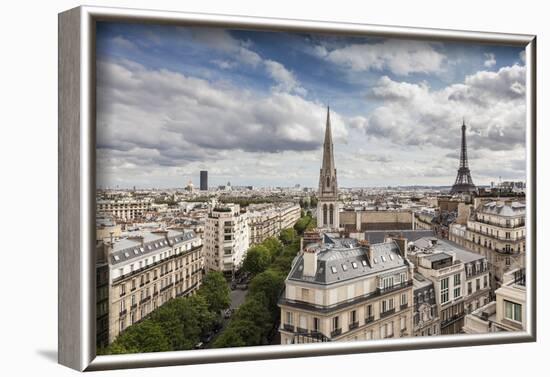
pixel 402 245
pixel 368 251
pixel 310 261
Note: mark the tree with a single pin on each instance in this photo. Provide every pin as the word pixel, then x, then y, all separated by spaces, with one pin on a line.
pixel 146 336
pixel 270 284
pixel 274 246
pixel 229 338
pixel 287 236
pixel 215 291
pixel 257 259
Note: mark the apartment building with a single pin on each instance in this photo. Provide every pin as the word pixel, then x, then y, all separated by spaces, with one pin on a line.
pixel 426 314
pixel 506 313
pixel 460 279
pixel 226 238
pixel 142 271
pixel 345 289
pixel 124 209
pixel 267 220
pixel 495 230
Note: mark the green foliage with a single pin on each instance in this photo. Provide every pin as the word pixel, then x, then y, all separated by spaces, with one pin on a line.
pixel 270 284
pixel 146 336
pixel 215 291
pixel 179 323
pixel 274 246
pixel 257 259
pixel 288 236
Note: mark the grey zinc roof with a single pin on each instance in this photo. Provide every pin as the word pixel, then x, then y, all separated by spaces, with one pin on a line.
pixel 348 263
pixel 126 249
pixel 377 236
pixel 443 246
pixel 508 210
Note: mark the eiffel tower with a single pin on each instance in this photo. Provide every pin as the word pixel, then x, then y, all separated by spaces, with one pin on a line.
pixel 463 182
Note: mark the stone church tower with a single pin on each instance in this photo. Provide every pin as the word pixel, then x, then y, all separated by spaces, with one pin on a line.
pixel 328 216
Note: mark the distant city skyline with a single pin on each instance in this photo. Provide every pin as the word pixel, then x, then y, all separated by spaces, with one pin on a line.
pixel 249 108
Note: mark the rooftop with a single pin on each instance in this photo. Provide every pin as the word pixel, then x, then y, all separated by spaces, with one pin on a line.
pixel 129 248
pixel 507 209
pixel 345 259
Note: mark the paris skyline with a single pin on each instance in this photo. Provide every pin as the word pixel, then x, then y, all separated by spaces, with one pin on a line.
pixel 249 107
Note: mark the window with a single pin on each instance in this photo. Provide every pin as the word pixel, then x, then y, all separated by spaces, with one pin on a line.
pixel 478 284
pixel 402 277
pixel 403 323
pixel 305 294
pixel 469 287
pixel 403 301
pixel 353 316
pixel 387 282
pixel 335 323
pixel 456 292
pixel 289 318
pixel 444 290
pixel 512 311
pixel 457 279
pixel 485 281
pixel 316 324
pixel 368 311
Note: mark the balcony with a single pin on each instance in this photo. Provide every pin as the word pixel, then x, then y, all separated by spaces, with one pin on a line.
pixel 288 327
pixel 122 313
pixel 369 319
pixel 336 332
pixel 404 306
pixel 301 330
pixel 383 291
pixel 353 325
pixel 133 307
pixel 387 313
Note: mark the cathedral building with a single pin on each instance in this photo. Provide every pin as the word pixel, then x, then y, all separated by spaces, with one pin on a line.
pixel 328 211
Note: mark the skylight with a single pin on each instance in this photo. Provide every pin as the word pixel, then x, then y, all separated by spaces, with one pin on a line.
pixel 333 269
pixel 344 267
pixel 364 262
pixel 117 257
pixel 383 258
pixel 354 265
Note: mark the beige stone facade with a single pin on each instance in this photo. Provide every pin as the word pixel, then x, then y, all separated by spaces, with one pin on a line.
pixel 495 230
pixel 345 293
pixel 506 313
pixel 146 270
pixel 124 209
pixel 267 220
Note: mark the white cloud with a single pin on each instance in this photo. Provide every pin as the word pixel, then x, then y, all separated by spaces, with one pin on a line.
pixel 489 60
pixel 286 80
pixel 493 104
pixel 158 118
pixel 400 57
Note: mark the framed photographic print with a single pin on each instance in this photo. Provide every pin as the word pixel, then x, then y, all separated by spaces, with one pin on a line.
pixel 235 188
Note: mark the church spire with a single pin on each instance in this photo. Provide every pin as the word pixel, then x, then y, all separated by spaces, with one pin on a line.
pixel 328 150
pixel 328 209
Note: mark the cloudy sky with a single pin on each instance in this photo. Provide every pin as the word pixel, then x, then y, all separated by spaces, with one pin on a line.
pixel 250 108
